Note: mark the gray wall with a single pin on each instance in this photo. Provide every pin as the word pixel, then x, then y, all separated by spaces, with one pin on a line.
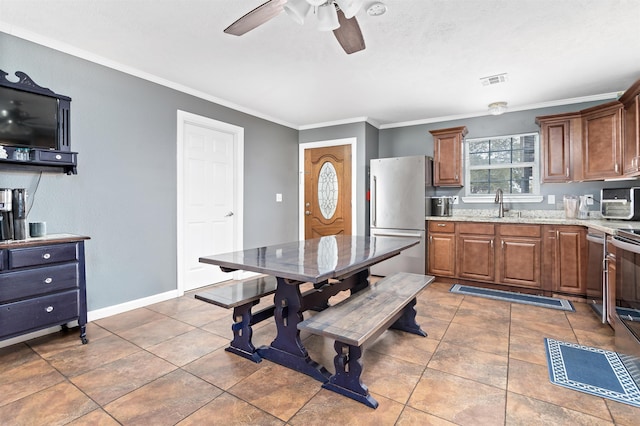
pixel 124 196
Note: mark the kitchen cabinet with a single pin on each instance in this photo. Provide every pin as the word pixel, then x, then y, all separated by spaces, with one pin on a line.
pixel 447 156
pixel 42 285
pixel 519 250
pixel 560 139
pixel 602 141
pixel 631 125
pixel 565 257
pixel 442 248
pixel 475 249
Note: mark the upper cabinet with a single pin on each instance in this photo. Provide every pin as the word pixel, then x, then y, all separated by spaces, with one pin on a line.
pixel 447 156
pixel 631 125
pixel 602 141
pixel 560 139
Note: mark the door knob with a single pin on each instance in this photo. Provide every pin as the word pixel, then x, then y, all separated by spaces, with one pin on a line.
pixel 228 214
pixel 307 212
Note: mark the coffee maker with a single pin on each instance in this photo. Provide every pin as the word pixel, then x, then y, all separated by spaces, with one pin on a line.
pixel 6 215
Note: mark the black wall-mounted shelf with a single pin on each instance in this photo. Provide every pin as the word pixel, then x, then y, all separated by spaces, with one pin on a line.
pixel 44 160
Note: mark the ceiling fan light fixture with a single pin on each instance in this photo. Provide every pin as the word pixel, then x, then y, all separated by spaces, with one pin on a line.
pixel 316 2
pixel 297 10
pixel 328 17
pixel 497 108
pixel 349 7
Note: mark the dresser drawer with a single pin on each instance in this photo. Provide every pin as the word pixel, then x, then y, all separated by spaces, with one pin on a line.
pixel 33 256
pixel 45 311
pixel 32 282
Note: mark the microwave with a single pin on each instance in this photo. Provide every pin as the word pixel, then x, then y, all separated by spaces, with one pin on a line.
pixel 620 203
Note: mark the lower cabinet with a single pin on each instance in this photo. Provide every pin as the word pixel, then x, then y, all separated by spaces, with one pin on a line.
pixel 442 249
pixel 519 260
pixel 565 260
pixel 42 285
pixel 548 258
pixel 476 253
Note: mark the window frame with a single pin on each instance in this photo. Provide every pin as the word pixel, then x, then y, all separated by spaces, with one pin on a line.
pixel 533 197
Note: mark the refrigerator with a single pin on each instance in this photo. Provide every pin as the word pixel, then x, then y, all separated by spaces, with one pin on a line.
pixel 399 188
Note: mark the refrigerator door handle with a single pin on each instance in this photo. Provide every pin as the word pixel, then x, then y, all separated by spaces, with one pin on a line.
pixel 397 234
pixel 373 201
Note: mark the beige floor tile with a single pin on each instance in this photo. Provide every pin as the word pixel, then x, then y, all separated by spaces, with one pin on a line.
pixel 527 348
pixel 527 313
pixel 525 411
pixel 405 346
pixel 478 338
pixel 229 410
pixel 277 390
pixel 95 418
pixel 165 401
pixel 222 369
pixel 56 405
pixel 411 416
pixel 155 332
pixel 623 414
pixel 26 379
pixel 597 339
pixel 127 320
pixel 111 381
pixel 16 355
pixel 459 400
pixel 483 367
pixel 188 347
pixel 389 376
pixel 56 342
pixel 345 411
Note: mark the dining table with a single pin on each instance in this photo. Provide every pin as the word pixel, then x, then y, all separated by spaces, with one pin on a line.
pixel 332 264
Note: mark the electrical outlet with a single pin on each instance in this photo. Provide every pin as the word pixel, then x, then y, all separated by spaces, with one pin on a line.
pixel 278 198
pixel 551 199
pixel 589 199
pixel 455 199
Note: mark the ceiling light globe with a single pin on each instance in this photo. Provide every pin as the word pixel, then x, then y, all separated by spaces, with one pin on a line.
pixel 297 10
pixel 328 18
pixel 316 2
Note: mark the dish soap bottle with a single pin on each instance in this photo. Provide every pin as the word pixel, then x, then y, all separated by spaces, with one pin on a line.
pixel 583 209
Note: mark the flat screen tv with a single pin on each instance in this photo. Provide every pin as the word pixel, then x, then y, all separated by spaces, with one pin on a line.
pixel 28 119
pixel 32 116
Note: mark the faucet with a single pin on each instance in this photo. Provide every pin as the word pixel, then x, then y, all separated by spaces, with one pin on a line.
pixel 499 200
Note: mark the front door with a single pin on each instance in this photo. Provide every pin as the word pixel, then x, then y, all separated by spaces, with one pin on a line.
pixel 209 200
pixel 327 191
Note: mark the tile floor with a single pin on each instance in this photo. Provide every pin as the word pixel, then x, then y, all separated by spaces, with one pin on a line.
pixel 483 363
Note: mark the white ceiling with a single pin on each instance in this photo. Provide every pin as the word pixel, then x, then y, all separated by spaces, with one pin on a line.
pixel 423 61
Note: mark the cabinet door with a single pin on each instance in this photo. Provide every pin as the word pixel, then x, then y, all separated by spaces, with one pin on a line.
pixel 442 253
pixel 519 261
pixel 566 257
pixel 602 143
pixel 476 257
pixel 611 284
pixel 447 155
pixel 558 134
pixel 631 144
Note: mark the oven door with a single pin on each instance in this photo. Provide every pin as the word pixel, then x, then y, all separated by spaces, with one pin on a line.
pixel 627 294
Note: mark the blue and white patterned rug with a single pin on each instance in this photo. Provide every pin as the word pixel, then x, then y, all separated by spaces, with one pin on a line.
pixel 591 370
pixel 510 296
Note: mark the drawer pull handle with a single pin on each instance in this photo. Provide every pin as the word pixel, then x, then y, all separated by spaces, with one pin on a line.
pixel 442 224
pixel 58 157
pixel 49 309
pixel 48 280
pixel 46 256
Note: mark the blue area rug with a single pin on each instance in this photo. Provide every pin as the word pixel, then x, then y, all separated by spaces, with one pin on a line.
pixel 508 296
pixel 591 370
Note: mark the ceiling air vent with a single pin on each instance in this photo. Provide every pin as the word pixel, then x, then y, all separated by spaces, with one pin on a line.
pixel 494 79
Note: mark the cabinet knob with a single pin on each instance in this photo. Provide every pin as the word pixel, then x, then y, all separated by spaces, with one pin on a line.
pixel 46 256
pixel 49 309
pixel 48 280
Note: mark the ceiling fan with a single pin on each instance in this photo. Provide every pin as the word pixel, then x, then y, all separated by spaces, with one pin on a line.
pixel 335 15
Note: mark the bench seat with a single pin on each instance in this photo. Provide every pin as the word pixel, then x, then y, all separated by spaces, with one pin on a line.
pixel 361 318
pixel 242 296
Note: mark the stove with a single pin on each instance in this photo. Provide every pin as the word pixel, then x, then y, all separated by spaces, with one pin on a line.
pixel 629 235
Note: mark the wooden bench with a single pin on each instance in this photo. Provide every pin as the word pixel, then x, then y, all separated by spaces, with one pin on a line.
pixel 361 318
pixel 242 296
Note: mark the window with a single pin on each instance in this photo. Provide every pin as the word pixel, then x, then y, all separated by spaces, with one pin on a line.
pixel 506 162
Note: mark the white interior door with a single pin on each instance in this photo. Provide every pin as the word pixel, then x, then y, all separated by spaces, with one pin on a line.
pixel 210 206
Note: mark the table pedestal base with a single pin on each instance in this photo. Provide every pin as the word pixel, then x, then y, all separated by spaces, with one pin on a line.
pixel 303 364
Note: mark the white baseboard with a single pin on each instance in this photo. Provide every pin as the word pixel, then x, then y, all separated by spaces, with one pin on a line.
pixel 96 315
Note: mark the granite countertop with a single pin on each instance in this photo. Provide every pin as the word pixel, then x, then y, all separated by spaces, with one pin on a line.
pixel 537 217
pixel 35 241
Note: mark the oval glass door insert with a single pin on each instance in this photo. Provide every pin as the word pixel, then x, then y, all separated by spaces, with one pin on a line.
pixel 328 190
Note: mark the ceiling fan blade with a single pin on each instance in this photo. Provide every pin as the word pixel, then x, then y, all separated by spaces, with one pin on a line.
pixel 256 17
pixel 348 34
